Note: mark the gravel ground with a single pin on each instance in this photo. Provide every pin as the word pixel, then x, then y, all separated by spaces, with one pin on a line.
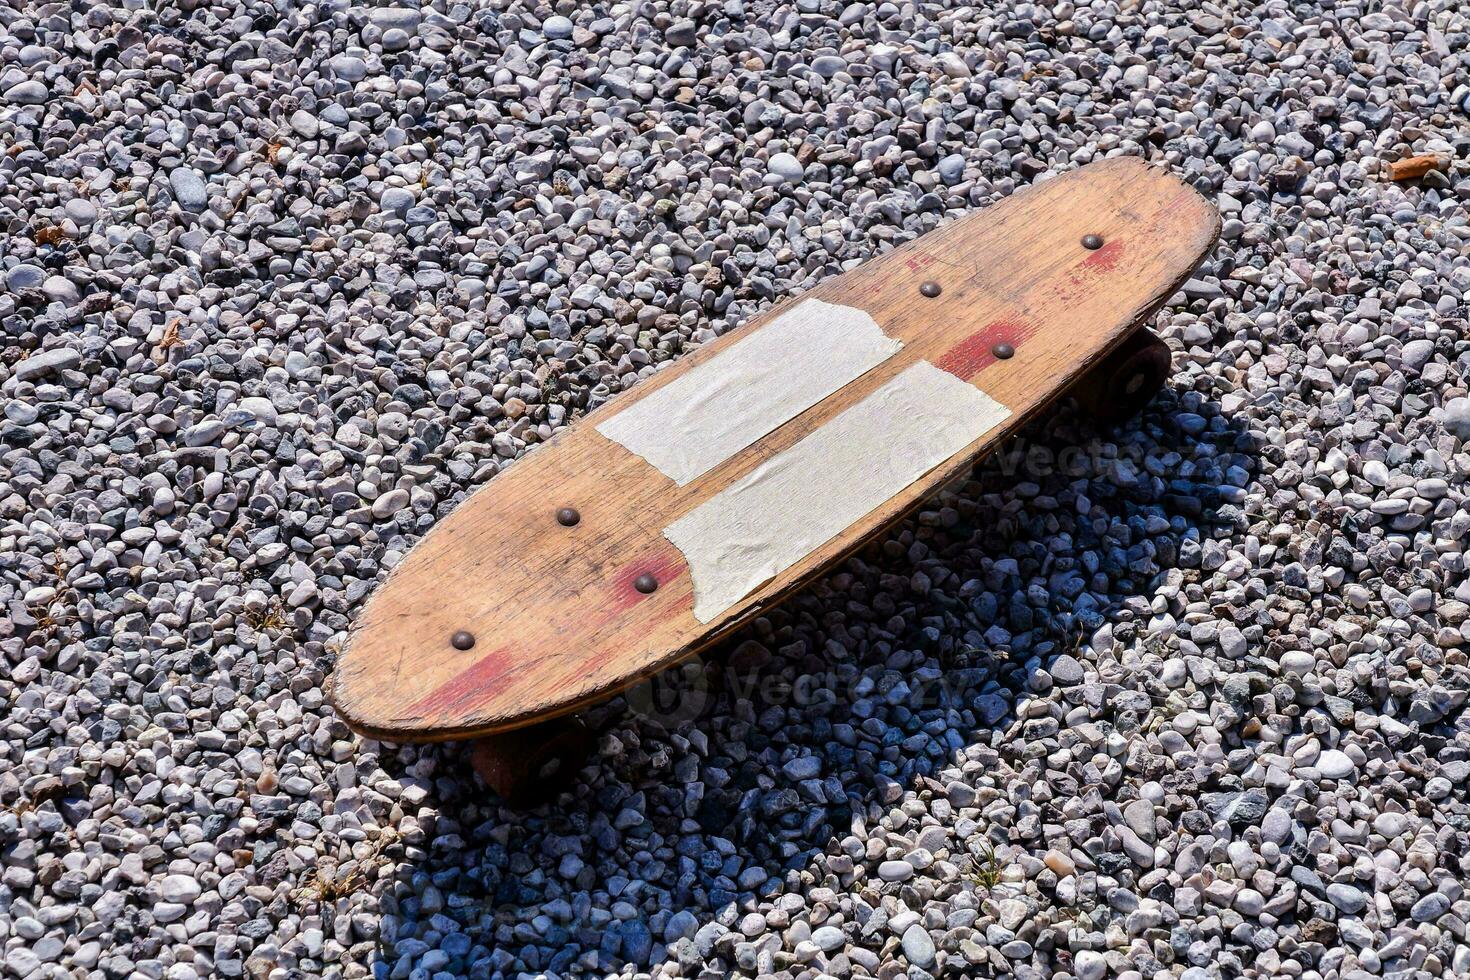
pixel 286 280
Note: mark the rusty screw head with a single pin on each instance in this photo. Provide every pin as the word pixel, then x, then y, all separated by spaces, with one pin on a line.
pixel 1093 242
pixel 931 289
pixel 1003 351
pixel 462 640
pixel 645 583
pixel 568 517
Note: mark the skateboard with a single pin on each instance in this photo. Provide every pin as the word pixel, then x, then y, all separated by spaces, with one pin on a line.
pixel 680 510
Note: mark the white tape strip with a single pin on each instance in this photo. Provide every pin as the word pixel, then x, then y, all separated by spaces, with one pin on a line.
pixel 786 366
pixel 795 502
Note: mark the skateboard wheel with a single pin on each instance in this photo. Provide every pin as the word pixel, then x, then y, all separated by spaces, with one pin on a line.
pixel 530 765
pixel 1126 380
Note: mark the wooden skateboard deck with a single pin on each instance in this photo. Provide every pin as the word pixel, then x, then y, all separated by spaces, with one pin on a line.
pixel 682 509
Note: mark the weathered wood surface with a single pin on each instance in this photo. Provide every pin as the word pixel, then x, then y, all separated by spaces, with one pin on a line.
pixel 557 619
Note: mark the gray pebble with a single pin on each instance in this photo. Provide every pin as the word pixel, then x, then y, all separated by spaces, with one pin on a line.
pixel 828 938
pixel 829 65
pixel 1335 765
pixel 1430 908
pixel 784 167
pixel 895 871
pixel 1347 898
pixel 46 363
pixel 349 68
pixel 28 92
pixel 190 191
pixel 1136 76
pixel 396 18
pixel 25 276
pixel 81 210
pixel 918 947
pixel 952 168
pixel 390 503
pixel 682 33
pixel 1455 417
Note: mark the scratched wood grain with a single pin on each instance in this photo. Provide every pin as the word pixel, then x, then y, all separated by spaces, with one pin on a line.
pixel 557 620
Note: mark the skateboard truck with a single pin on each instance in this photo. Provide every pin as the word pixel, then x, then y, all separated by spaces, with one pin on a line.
pixel 529 766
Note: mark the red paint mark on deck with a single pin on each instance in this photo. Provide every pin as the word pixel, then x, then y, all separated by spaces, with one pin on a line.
pixel 469 687
pixel 665 564
pixel 484 677
pixel 974 354
pixel 1104 259
pixel 1097 264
